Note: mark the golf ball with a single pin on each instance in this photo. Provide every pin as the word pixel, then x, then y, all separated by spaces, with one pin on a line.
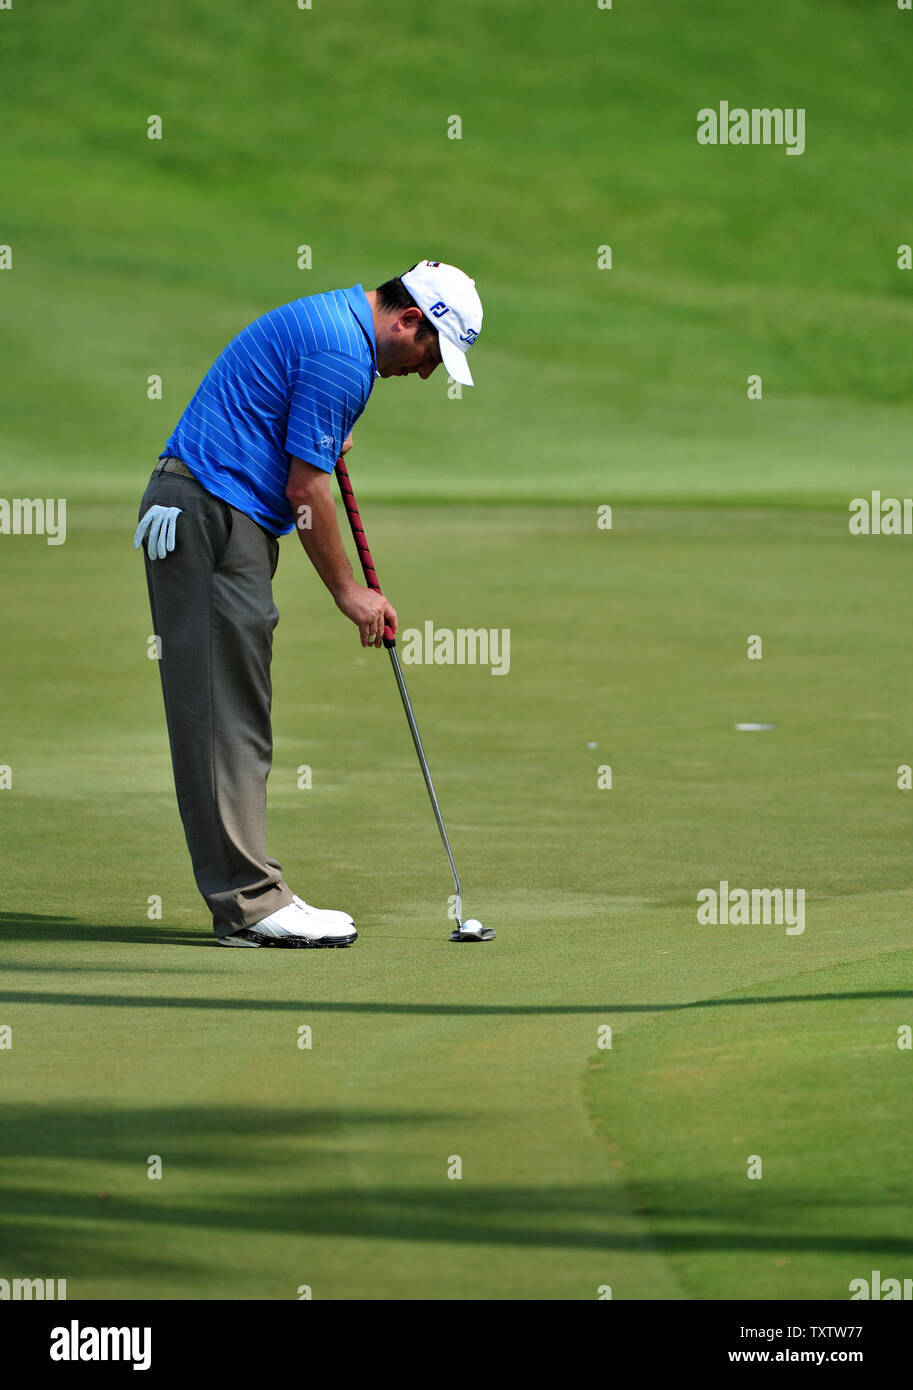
pixel 472 926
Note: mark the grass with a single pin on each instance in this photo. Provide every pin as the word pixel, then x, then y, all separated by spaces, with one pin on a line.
pixel 135 257
pixel 132 1035
pixel 806 1074
pixel 328 1166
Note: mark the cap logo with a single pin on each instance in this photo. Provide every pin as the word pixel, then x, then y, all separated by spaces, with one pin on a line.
pixel 469 336
pixel 439 309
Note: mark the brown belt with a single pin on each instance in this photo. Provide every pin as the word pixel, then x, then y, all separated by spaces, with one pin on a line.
pixel 172 465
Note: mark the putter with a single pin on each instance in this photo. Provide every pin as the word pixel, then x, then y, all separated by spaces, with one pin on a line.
pixel 470 930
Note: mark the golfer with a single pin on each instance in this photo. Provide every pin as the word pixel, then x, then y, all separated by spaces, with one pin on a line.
pixel 250 460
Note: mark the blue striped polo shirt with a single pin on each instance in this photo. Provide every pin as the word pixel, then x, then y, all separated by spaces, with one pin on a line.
pixel 292 383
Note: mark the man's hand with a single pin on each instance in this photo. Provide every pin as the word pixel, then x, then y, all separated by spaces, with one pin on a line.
pixel 308 492
pixel 370 612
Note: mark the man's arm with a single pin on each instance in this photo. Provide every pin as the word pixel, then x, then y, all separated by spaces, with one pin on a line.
pixel 309 495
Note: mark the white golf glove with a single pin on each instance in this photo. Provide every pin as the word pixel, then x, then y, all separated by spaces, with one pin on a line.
pixel 161 523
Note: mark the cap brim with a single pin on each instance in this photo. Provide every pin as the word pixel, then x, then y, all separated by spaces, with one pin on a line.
pixel 455 361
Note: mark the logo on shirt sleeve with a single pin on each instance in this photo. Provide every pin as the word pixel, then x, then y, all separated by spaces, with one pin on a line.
pixel 325 441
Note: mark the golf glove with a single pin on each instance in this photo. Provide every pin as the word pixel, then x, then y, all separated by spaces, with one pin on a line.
pixel 161 523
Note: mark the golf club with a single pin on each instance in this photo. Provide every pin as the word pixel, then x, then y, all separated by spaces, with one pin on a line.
pixel 470 930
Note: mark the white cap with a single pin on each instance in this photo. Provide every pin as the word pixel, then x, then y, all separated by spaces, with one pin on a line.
pixel 448 298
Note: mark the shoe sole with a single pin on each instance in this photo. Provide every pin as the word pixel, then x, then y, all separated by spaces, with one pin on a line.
pixel 249 937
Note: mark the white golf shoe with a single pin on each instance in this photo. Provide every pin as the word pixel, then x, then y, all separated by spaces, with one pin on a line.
pixel 322 911
pixel 296 924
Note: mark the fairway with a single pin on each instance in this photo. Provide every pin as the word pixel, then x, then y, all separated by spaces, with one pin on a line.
pixel 411 1119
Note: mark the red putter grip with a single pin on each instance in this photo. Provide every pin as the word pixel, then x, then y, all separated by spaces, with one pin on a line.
pixel 360 539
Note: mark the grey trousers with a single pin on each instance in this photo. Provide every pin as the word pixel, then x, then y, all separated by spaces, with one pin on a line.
pixel 213 611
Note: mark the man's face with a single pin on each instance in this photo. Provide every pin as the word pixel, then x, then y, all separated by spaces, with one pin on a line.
pixel 402 352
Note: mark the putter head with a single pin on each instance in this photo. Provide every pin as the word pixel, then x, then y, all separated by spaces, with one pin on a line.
pixel 472 931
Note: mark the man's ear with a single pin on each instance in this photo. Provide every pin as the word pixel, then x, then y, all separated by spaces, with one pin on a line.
pixel 409 319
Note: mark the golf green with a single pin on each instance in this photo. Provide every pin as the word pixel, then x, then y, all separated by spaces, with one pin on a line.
pixel 328 1166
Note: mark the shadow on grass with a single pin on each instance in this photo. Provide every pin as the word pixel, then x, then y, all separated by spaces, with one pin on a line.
pixel 240 1173
pixel 328 1006
pixel 59 1251
pixel 38 927
pixel 191 1136
pixel 548 1217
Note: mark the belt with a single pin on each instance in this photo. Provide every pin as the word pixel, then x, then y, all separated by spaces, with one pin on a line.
pixel 173 465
